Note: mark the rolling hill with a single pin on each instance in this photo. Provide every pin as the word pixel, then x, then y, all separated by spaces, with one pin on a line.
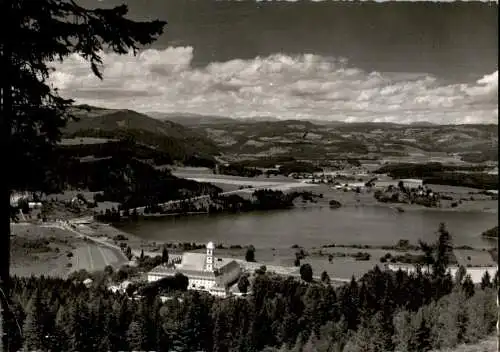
pixel 308 140
pixel 180 143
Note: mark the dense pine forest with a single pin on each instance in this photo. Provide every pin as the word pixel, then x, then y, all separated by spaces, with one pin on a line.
pixel 382 311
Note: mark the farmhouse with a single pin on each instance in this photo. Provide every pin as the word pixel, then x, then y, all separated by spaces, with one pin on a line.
pixel 204 271
pixel 412 183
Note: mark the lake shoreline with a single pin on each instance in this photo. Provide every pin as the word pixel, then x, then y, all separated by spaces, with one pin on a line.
pixel 137 242
pixel 361 221
pixel 341 266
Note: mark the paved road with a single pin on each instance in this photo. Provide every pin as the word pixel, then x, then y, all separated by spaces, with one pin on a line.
pixel 94 257
pixel 96 254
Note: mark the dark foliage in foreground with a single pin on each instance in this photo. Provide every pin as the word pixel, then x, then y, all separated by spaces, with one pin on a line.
pixel 382 311
pixel 32 113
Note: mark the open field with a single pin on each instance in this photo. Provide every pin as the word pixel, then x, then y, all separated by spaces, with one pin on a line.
pixel 281 186
pixel 53 250
pixel 471 199
pixel 94 257
pixel 343 265
pixel 37 250
pixel 470 257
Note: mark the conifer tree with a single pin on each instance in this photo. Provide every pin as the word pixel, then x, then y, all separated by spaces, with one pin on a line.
pixel 444 250
pixel 447 329
pixel 250 254
pixel 243 284
pixel 164 255
pixel 61 327
pixel 80 333
pixel 422 332
pixel 306 272
pixel 325 278
pixel 33 331
pixel 476 326
pixel 403 331
pixel 428 253
pixel 486 280
pixel 136 335
pixel 468 286
pixel 366 302
pixel 219 332
pixel 289 329
pixel 350 304
pixel 311 344
pixel 460 274
pixel 31 112
pixel 361 340
pixel 331 310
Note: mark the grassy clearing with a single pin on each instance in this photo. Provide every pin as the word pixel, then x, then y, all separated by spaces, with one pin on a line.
pixel 468 257
pixel 38 250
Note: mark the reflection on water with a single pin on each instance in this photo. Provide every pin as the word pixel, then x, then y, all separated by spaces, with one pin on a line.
pixel 318 226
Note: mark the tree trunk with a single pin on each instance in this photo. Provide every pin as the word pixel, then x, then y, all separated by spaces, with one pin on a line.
pixel 4 270
pixel 5 191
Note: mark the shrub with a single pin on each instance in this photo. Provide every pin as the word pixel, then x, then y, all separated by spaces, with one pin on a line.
pixel 120 237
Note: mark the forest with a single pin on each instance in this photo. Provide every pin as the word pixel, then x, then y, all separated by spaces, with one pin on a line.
pixel 262 199
pixel 131 182
pixel 382 311
pixel 439 174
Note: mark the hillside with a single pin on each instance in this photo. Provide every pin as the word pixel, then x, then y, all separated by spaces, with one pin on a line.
pixel 312 140
pixel 181 144
pixel 122 178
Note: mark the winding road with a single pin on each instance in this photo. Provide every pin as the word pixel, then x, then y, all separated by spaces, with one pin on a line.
pixel 97 254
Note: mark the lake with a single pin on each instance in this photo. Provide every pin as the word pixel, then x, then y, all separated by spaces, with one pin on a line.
pixel 317 226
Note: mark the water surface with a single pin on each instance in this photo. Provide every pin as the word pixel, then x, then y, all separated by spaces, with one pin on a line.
pixel 318 226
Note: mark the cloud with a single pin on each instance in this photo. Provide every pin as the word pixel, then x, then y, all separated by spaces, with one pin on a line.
pixel 288 87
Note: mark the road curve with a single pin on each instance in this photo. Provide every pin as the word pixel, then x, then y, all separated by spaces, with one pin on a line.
pixel 96 255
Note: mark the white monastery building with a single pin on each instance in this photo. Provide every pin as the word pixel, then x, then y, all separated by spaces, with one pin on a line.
pixel 204 271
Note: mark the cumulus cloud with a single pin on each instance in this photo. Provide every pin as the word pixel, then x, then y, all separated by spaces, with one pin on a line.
pixel 288 87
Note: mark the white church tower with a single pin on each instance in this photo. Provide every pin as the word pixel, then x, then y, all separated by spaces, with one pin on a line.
pixel 209 260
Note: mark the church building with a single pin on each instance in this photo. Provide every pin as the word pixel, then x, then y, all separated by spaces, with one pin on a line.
pixel 205 271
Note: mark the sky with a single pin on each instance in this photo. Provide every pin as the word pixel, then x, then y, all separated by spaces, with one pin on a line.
pixel 391 62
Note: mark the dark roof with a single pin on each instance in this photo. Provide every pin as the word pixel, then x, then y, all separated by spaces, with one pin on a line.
pixel 232 265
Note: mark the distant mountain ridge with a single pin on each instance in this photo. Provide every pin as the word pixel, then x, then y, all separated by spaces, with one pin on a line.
pixel 203 137
pixel 197 119
pixel 188 119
